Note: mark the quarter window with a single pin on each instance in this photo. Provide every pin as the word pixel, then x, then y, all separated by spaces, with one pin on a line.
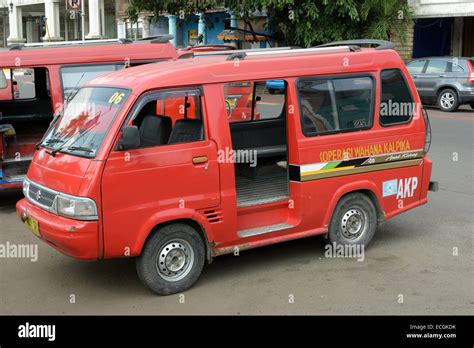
pixel 396 105
pixel 335 105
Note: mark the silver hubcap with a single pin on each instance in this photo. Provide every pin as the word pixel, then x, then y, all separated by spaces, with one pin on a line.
pixel 353 223
pixel 447 100
pixel 175 260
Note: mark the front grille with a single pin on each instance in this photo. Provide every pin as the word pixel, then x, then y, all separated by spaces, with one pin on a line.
pixel 41 196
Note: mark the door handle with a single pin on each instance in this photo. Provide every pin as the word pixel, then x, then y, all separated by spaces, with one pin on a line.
pixel 442 75
pixel 200 159
pixel 415 76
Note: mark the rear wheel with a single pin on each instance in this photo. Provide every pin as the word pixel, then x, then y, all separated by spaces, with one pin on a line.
pixel 172 259
pixel 448 100
pixel 353 221
pixel 471 105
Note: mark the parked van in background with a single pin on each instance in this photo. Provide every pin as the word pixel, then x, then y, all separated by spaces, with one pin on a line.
pixel 35 80
pixel 145 162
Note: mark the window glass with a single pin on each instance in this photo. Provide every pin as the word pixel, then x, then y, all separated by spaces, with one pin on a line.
pixel 456 68
pixel 416 67
pixel 85 120
pixel 252 101
pixel 334 105
pixel 354 102
pixel 396 105
pixel 3 80
pixel 23 83
pixel 169 118
pixel 436 66
pixel 74 77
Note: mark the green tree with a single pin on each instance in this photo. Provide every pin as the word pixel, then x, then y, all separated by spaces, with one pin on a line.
pixel 302 22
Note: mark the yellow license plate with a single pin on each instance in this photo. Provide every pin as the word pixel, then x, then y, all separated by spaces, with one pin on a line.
pixel 33 225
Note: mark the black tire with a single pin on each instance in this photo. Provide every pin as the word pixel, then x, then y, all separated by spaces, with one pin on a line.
pixel 182 240
pixel 448 100
pixel 471 105
pixel 353 206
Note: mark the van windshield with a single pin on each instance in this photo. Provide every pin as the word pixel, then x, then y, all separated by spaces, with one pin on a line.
pixel 85 121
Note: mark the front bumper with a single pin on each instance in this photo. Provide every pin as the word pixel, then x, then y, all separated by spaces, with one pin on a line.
pixel 78 239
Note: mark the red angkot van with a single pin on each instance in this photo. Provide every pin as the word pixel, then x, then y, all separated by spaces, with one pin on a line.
pixel 121 173
pixel 36 79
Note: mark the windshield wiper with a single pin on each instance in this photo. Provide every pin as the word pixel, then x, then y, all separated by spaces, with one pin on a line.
pixel 78 148
pixel 49 141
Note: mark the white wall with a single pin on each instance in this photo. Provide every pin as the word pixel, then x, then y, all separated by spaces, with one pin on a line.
pixel 442 8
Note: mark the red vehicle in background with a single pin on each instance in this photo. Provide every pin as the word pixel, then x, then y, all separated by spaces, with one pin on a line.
pixel 44 76
pixel 6 91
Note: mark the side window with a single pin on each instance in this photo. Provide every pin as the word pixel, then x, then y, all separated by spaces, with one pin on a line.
pixel 171 117
pixel 23 81
pixel 416 67
pixel 335 105
pixel 436 66
pixel 454 66
pixel 254 100
pixel 396 105
pixel 73 77
pixel 3 80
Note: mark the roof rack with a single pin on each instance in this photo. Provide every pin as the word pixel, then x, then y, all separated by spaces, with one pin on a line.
pixel 155 39
pixel 295 51
pixel 231 52
pixel 380 44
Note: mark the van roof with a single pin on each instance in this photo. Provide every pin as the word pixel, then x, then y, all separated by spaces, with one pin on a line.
pixel 86 53
pixel 218 68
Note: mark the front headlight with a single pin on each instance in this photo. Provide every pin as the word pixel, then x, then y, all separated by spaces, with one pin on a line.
pixel 76 207
pixel 26 186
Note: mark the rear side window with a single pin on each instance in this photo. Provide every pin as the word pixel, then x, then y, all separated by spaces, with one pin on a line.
pixel 396 105
pixel 436 66
pixel 335 105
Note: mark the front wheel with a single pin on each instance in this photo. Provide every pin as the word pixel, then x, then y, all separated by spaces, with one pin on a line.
pixel 353 221
pixel 172 259
pixel 448 100
pixel 471 105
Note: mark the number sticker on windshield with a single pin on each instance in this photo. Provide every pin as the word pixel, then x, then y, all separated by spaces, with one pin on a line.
pixel 116 98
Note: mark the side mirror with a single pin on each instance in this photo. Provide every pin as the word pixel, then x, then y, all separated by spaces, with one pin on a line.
pixel 130 138
pixel 258 98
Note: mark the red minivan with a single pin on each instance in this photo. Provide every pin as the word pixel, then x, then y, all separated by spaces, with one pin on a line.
pixel 43 76
pixel 119 175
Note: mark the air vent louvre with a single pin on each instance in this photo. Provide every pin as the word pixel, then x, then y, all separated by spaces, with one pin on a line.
pixel 213 216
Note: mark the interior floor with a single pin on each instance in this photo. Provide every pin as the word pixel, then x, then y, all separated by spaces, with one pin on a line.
pixel 269 185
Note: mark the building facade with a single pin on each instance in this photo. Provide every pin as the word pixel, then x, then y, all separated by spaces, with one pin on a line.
pixel 56 20
pixel 443 28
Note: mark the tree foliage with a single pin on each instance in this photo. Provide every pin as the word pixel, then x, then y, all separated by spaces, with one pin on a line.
pixel 302 22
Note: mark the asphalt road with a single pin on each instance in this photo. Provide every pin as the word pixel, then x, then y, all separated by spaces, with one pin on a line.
pixel 410 255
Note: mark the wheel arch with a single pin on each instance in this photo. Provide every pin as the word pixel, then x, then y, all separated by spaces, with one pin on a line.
pixel 442 87
pixel 190 218
pixel 366 187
